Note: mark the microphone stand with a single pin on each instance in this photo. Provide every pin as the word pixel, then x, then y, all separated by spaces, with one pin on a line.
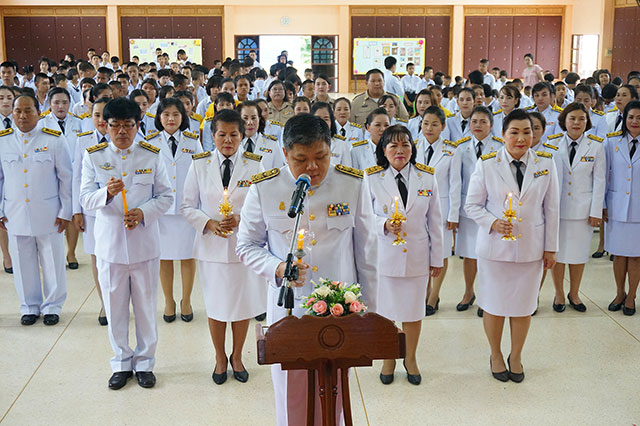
pixel 291 270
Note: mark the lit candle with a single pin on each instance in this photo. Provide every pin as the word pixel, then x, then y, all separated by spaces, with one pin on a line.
pixel 225 196
pixel 396 199
pixel 300 239
pixel 124 201
pixel 509 201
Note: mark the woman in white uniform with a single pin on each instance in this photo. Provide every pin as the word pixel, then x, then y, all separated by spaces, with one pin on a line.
pixel 254 141
pixel 342 111
pixel 436 152
pixel 340 148
pixel 582 167
pixel 509 271
pixel 176 235
pixel 623 207
pixel 363 153
pixel 232 292
pixel 509 99
pixel 397 183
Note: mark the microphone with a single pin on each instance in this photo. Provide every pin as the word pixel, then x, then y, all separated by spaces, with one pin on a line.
pixel 302 184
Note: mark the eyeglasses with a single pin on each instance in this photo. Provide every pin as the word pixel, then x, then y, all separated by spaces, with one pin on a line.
pixel 126 126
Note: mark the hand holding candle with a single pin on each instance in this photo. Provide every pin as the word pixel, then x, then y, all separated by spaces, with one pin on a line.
pixel 124 201
pixel 397 219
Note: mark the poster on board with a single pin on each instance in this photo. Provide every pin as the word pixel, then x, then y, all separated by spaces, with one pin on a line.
pixel 145 48
pixel 369 53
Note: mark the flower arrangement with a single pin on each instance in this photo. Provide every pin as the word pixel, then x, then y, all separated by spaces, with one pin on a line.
pixel 334 298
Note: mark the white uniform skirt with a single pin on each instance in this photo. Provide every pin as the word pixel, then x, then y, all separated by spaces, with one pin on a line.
pixel 176 237
pixel 88 239
pixel 466 239
pixel 402 299
pixel 232 292
pixel 575 241
pixel 509 289
pixel 620 238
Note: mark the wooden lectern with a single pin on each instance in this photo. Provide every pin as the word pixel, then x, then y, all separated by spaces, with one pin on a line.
pixel 326 344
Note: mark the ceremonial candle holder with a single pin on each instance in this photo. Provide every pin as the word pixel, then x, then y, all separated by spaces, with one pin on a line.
pixel 226 209
pixel 398 218
pixel 510 216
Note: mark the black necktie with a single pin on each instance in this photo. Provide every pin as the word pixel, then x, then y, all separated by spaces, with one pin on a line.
pixel 226 173
pixel 479 150
pixel 634 144
pixel 7 123
pixel 403 189
pixel 143 127
pixel 519 175
pixel 572 152
pixel 104 139
pixel 174 145
pixel 618 121
pixel 249 145
pixel 464 125
pixel 429 154
pixel 343 132
pixel 61 124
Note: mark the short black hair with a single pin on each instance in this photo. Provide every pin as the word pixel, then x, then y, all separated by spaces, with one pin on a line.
pixel 35 101
pixel 609 91
pixel 223 97
pixel 253 104
pixel 389 62
pixel 371 72
pixel 540 86
pixel 169 102
pixel 184 94
pixel 305 129
pixel 96 89
pixel 138 92
pixel 100 101
pixel 585 88
pixel 631 105
pixel 538 116
pixel 516 114
pixel 573 106
pixel 437 111
pixel 481 109
pixel 391 134
pixel 164 92
pixel 373 114
pixel 572 78
pixel 324 105
pixel 476 77
pixel 122 109
pixel 227 116
pixel 9 64
pixel 180 79
pixel 58 91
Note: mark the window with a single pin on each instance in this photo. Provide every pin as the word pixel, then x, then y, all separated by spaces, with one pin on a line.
pixel 584 53
pixel 245 44
pixel 324 58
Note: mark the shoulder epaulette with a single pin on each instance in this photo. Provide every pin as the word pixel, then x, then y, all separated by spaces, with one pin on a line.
pixel 489 155
pixel 425 168
pixel 265 175
pixel 98 147
pixel 529 107
pixel 152 135
pixel 556 108
pixel 6 132
pixel 544 154
pixel 190 135
pixel 277 123
pixel 597 112
pixel 373 170
pixel 44 114
pixel 350 171
pixel 355 125
pixel 148 114
pixel 416 142
pixel 360 143
pixel 252 156
pixel 449 115
pixel 208 118
pixel 74 115
pixel 548 145
pixel 85 133
pixel 342 138
pixel 552 137
pixel 615 108
pixel 149 147
pixel 85 115
pixel 271 137
pixel 51 131
pixel 402 120
pixel 497 112
pixel 595 138
pixel 201 155
pixel 450 143
pixel 612 134
pixel 463 140
pixel 196 117
pixel 497 139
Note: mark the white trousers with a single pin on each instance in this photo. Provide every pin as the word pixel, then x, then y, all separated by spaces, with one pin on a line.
pixel 29 255
pixel 136 283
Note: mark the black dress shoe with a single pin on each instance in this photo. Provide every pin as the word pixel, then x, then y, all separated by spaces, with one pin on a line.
pixel 480 312
pixel 73 265
pixel 430 310
pixel 414 379
pixel 186 318
pixel 102 320
pixel 386 379
pixel 7 270
pixel 241 376
pixel 629 311
pixel 515 377
pixel 558 307
pixel 169 318
pixel 503 376
pixel 614 307
pixel 29 319
pixel 611 258
pixel 51 319
pixel 261 317
pixel 146 379
pixel 464 306
pixel 219 379
pixel 119 379
pixel 580 307
pixel 598 254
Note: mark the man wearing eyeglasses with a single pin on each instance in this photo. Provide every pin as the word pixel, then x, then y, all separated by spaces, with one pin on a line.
pixel 126 183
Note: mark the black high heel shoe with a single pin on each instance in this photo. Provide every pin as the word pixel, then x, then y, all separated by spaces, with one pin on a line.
pixel 628 311
pixel 598 254
pixel 558 307
pixel 614 307
pixel 580 307
pixel 102 320
pixel 241 376
pixel 503 376
pixel 219 379
pixel 188 317
pixel 414 379
pixel 464 306
pixel 515 377
pixel 430 310
pixel 7 270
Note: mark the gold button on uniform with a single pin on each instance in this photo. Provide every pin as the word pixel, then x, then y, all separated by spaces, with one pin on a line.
pixel 24 155
pixel 519 219
pixel 173 164
pixel 312 216
pixel 26 141
pixel 25 170
pixel 124 173
pixel 310 192
pixel 25 185
pixel 519 235
pixel 314 269
pixel 174 190
pixel 627 193
pixel 404 250
pixel 124 157
pixel 569 194
pixel 569 172
pixel 520 203
pixel 27 200
pixel 173 177
pixel 313 242
pixel 569 183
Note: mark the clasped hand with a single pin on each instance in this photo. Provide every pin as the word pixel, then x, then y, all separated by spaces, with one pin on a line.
pixel 222 227
pixel 393 227
pixel 502 227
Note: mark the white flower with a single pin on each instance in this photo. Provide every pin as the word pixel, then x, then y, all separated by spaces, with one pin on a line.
pixel 349 297
pixel 323 291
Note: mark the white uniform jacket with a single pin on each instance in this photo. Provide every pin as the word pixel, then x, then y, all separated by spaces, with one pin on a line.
pixel 340 151
pixel 72 126
pixel 422 229
pixel 623 186
pixel 203 194
pixel 536 206
pixel 352 131
pixel 85 140
pixel 148 188
pixel 35 180
pixel 363 154
pixel 268 148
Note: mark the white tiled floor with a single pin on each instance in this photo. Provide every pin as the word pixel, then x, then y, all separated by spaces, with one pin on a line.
pixel 582 369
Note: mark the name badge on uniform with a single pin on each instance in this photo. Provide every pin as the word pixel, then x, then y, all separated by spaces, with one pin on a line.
pixel 263 149
pixel 244 183
pixel 338 209
pixel 43 149
pixel 588 159
pixel 106 166
pixel 188 151
pixel 447 153
pixel 143 171
pixel 541 173
pixel 424 193
pixel 335 155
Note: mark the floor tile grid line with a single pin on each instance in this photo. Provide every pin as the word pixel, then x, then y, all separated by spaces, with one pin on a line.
pixel 364 406
pixel 47 354
pixel 606 312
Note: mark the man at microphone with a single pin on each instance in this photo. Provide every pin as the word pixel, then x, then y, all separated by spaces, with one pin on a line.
pixel 337 211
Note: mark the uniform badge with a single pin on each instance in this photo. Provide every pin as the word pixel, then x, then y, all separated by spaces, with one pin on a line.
pixel 588 159
pixel 338 209
pixel 106 166
pixel 263 149
pixel 188 151
pixel 281 205
pixel 335 155
pixel 43 149
pixel 541 173
pixel 143 171
pixel 244 183
pixel 447 153
pixel 424 193
pixel 385 209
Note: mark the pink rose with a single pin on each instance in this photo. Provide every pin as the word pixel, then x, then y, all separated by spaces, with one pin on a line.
pixel 336 283
pixel 337 310
pixel 356 307
pixel 310 301
pixel 320 307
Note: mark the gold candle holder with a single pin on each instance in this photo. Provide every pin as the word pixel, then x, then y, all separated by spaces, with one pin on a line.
pixel 398 218
pixel 226 209
pixel 510 216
